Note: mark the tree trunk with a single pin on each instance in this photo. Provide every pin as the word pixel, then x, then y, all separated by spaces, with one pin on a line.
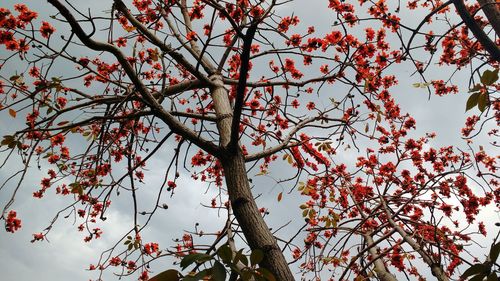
pixel 379 267
pixel 480 35
pixel 245 209
pixel 491 9
pixel 250 219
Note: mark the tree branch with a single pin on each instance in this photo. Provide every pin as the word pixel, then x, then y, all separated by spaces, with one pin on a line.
pixel 283 144
pixel 174 124
pixel 482 37
pixel 180 87
pixel 436 268
pixel 241 87
pixel 492 11
pixel 178 57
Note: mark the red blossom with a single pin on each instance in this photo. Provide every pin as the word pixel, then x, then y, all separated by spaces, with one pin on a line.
pixel 151 248
pixel 46 29
pixel 37 237
pixel 171 185
pixel 115 261
pixel 12 223
pixel 57 139
pixel 144 276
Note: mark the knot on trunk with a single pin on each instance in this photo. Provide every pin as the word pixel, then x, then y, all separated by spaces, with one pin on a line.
pixel 239 201
pixel 269 248
pixel 224 116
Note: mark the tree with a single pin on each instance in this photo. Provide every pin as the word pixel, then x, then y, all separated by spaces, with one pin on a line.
pixel 234 85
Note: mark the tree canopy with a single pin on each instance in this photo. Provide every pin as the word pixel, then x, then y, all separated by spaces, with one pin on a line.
pixel 244 93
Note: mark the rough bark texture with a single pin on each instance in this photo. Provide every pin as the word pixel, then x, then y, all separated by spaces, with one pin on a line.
pixel 250 219
pixel 242 201
pixel 491 9
pixel 223 110
pixel 436 268
pixel 480 35
pixel 380 269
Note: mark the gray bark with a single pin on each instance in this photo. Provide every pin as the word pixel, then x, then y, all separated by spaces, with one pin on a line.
pixel 379 267
pixel 250 219
pixel 242 201
pixel 491 9
pixel 480 35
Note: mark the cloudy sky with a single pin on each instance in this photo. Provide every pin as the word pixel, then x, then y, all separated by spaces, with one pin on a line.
pixel 66 256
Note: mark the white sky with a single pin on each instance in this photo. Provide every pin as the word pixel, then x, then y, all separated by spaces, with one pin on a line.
pixel 66 256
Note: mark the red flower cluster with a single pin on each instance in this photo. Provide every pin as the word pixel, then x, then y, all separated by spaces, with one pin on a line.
pixel 46 29
pixel 151 248
pixel 308 147
pixel 12 223
pixel 115 261
pixel 9 22
pixel 285 23
pixel 290 67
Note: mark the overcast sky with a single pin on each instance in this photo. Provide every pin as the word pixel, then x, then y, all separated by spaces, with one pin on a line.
pixel 67 256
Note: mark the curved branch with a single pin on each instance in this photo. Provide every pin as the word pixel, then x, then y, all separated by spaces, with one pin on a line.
pixel 230 81
pixel 482 37
pixel 492 11
pixel 180 87
pixel 241 87
pixel 436 268
pixel 283 144
pixel 426 19
pixel 178 57
pixel 174 124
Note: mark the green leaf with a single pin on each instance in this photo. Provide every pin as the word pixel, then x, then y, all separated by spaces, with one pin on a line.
pixel 244 260
pixel 13 144
pixel 489 77
pixel 478 277
pixel 168 275
pixel 240 257
pixel 493 277
pixel 189 259
pixel 225 253
pixel 7 140
pixel 472 101
pixel 267 274
pixel 218 272
pixel 476 88
pixel 17 79
pixel 14 77
pixel 305 212
pixel 475 269
pixel 246 275
pixel 199 276
pixel 77 188
pixel 421 85
pixel 483 101
pixel 256 257
pixel 494 251
pixel 204 273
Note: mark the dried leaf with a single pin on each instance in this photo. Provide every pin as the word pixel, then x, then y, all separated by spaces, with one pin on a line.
pixel 12 113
